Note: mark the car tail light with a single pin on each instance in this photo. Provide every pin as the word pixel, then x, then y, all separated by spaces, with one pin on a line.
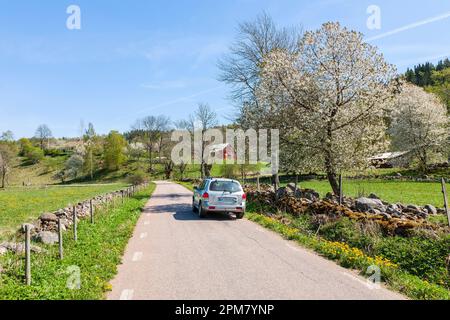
pixel 206 195
pixel 244 197
pixel 212 208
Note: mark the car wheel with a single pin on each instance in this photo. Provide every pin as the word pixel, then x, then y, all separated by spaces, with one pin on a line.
pixel 201 212
pixel 240 215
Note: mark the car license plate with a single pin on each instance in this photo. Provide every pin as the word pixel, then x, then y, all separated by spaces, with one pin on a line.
pixel 227 200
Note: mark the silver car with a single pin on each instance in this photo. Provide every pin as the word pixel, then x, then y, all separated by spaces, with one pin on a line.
pixel 219 195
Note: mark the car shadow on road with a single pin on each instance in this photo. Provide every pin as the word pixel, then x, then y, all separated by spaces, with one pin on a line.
pixel 183 212
pixel 188 215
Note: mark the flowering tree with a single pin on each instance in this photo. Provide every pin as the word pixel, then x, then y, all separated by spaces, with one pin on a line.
pixel 328 99
pixel 419 123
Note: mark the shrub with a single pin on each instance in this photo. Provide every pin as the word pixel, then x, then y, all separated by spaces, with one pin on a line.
pixel 54 153
pixel 35 155
pixel 136 178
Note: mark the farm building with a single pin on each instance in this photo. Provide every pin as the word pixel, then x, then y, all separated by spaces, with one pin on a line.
pixel 390 159
pixel 222 151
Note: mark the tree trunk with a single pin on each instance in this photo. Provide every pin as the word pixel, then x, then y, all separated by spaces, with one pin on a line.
pixel 276 181
pixel 91 160
pixel 3 178
pixel 150 168
pixel 333 180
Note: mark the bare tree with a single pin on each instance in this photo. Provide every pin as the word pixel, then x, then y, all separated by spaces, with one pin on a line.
pixel 150 129
pixel 168 168
pixel 241 68
pixel 182 169
pixel 43 134
pixel 164 126
pixel 7 136
pixel 206 118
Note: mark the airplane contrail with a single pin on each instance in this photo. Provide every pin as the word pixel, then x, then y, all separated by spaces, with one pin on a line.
pixel 410 26
pixel 168 103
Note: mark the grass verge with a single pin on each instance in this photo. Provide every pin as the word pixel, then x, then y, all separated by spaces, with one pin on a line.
pixel 354 258
pixel 187 185
pixel 20 205
pixel 96 255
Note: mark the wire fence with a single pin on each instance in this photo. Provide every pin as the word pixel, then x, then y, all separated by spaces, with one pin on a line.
pixel 94 205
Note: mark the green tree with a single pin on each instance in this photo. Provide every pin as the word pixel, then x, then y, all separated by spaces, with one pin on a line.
pixel 35 155
pixel 25 146
pixel 114 154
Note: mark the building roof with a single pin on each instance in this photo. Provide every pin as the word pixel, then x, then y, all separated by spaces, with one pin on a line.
pixel 389 155
pixel 218 147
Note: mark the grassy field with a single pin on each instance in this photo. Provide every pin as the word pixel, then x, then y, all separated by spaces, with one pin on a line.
pixel 20 205
pixel 97 253
pixel 407 192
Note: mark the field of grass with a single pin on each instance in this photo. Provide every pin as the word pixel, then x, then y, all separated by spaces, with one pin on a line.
pixel 407 192
pixel 19 205
pixel 97 253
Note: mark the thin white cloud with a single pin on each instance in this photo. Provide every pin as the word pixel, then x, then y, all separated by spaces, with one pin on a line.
pixel 410 26
pixel 180 99
pixel 164 85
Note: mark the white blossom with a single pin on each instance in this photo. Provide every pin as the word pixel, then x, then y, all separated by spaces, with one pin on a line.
pixel 419 124
pixel 328 99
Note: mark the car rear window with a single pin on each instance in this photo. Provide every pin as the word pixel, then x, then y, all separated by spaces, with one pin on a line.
pixel 228 186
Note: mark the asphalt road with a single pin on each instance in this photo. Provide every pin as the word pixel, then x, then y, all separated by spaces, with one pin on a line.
pixel 175 255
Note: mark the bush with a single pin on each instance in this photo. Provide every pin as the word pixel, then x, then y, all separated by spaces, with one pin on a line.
pixel 35 155
pixel 54 153
pixel 136 178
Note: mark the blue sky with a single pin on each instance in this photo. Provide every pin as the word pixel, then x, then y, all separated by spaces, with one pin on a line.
pixel 135 58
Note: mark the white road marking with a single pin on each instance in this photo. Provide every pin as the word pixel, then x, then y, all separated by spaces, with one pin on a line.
pixel 146 223
pixel 127 294
pixel 137 256
pixel 144 235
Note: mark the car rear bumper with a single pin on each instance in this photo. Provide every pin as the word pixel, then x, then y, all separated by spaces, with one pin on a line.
pixel 222 208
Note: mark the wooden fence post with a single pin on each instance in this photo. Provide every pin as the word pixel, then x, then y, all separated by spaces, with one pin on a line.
pixel 341 196
pixel 91 210
pixel 121 192
pixel 60 240
pixel 444 192
pixel 258 186
pixel 27 255
pixel 75 231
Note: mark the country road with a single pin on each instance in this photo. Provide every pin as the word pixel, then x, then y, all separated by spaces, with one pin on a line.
pixel 175 255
